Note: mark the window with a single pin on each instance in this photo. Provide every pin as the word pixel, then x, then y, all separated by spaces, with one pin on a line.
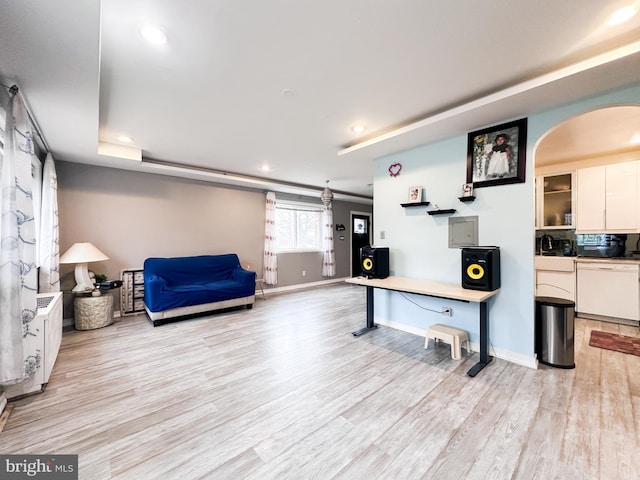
pixel 298 227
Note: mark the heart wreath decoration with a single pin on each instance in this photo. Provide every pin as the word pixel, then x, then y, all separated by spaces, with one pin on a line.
pixel 394 169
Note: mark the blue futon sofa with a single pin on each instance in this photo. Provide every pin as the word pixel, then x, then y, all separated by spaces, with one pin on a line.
pixel 185 286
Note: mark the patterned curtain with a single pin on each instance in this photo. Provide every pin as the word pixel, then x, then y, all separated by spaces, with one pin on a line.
pixel 48 242
pixel 328 253
pixel 19 356
pixel 270 258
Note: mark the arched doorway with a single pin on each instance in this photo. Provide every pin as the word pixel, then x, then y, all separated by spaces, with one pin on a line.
pixel 607 135
pixel 576 217
pixel 597 133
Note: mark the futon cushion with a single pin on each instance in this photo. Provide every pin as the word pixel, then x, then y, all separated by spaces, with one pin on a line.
pixel 186 281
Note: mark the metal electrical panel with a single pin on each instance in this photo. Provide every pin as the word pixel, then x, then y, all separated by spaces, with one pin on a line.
pixel 463 232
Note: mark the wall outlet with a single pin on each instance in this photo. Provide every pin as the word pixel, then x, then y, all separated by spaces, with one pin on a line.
pixel 446 311
pixel 304 273
pixel 382 234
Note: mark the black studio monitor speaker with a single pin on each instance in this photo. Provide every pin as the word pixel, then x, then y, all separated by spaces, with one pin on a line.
pixel 481 268
pixel 374 262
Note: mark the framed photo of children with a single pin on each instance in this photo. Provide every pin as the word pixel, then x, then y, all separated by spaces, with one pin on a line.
pixel 415 194
pixel 497 155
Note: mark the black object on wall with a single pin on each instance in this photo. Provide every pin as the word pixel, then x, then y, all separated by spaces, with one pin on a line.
pixel 374 262
pixel 481 268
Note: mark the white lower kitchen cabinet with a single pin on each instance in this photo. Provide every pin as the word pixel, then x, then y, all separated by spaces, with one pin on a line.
pixel 609 290
pixel 555 277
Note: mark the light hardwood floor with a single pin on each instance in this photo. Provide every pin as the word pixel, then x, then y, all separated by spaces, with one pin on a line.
pixel 285 391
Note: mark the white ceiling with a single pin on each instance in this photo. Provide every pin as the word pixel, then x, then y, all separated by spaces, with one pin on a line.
pixel 246 83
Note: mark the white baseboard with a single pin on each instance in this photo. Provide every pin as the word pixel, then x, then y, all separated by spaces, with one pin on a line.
pixel 517 358
pixel 301 286
pixel 69 322
pixel 420 332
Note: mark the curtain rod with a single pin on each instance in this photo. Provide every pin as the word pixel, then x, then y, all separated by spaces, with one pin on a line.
pixel 14 90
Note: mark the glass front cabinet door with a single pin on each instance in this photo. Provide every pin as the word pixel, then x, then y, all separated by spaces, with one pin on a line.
pixel 555 201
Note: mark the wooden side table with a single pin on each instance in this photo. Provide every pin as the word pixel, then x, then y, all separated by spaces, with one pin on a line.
pixel 93 312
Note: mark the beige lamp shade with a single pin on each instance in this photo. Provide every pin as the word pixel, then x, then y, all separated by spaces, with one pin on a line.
pixel 81 254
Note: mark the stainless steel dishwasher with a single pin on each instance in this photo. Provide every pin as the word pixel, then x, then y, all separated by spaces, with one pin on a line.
pixel 608 290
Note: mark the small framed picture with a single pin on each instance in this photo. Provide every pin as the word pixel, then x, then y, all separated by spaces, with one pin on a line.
pixel 467 190
pixel 415 194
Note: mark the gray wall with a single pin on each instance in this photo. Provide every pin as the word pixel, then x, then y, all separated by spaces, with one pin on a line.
pixel 131 216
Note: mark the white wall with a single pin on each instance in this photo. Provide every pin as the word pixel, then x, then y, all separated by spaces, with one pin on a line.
pixel 418 242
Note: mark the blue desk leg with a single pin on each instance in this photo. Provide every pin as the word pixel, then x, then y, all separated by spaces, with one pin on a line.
pixel 370 324
pixel 484 341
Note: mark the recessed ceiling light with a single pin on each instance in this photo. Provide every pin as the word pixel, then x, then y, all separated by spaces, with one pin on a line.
pixel 265 168
pixel 622 15
pixel 153 34
pixel 635 140
pixel 359 128
pixel 125 139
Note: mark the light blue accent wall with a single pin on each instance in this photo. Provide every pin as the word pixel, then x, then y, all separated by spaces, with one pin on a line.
pixel 418 243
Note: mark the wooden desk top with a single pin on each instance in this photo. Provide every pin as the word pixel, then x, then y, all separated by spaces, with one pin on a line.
pixel 424 287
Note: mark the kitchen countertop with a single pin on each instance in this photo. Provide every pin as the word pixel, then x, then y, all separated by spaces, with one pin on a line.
pixel 552 261
pixel 625 260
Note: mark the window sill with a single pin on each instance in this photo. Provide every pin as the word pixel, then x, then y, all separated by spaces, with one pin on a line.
pixel 298 251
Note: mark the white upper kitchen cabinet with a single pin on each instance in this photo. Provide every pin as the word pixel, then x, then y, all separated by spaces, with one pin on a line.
pixel 556 197
pixel 607 198
pixel 590 198
pixel 622 196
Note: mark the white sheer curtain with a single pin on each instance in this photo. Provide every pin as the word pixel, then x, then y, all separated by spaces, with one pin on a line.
pixel 328 253
pixel 48 242
pixel 270 263
pixel 18 281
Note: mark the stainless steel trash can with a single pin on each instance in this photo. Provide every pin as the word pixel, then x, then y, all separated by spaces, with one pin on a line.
pixel 555 331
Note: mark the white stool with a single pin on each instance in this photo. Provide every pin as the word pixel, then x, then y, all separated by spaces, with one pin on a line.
pixel 451 335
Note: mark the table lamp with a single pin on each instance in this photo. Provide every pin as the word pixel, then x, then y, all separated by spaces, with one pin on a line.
pixel 81 254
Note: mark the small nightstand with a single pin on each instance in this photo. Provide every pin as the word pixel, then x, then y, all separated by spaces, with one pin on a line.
pixel 259 281
pixel 93 312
